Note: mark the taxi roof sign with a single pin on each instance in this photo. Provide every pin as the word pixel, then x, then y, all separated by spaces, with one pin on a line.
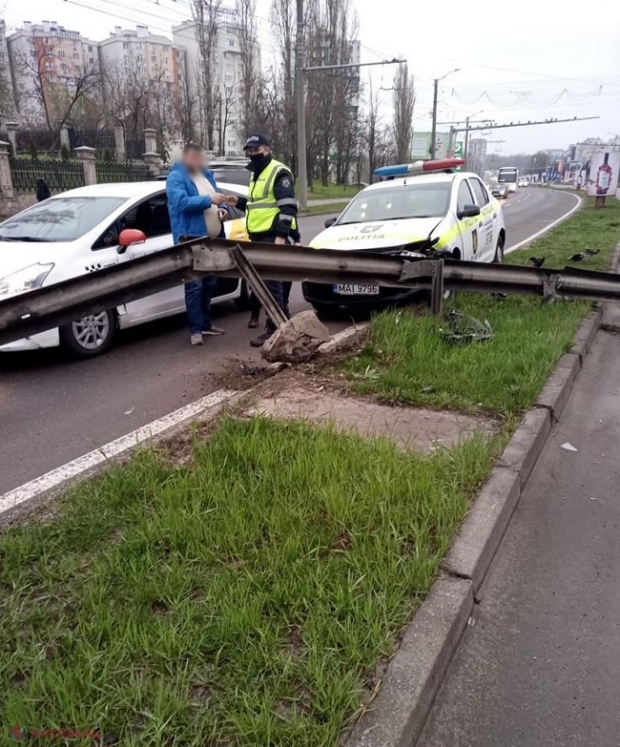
pixel 419 167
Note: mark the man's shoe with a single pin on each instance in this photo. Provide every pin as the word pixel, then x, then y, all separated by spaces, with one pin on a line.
pixel 258 342
pixel 196 339
pixel 254 322
pixel 214 331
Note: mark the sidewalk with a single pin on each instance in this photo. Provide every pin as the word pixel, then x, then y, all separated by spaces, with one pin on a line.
pixel 541 664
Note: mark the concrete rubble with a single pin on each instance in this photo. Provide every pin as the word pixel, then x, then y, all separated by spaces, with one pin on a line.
pixel 297 339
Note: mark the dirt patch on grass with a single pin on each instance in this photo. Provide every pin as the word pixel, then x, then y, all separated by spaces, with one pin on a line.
pixel 417 429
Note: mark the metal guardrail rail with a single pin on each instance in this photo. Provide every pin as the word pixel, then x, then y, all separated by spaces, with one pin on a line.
pixel 61 303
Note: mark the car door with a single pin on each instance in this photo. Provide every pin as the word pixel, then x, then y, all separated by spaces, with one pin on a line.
pixel 466 226
pixel 151 217
pixel 486 227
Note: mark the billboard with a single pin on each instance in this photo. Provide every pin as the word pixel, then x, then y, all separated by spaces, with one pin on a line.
pixel 603 176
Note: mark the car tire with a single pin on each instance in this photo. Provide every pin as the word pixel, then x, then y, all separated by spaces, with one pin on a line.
pixel 243 301
pixel 90 336
pixel 499 250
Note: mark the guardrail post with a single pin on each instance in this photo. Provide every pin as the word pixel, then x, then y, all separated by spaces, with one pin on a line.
pixel 87 159
pixel 437 288
pixel 6 180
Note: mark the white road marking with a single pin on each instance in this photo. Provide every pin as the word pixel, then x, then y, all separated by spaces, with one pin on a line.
pixel 534 236
pixel 86 462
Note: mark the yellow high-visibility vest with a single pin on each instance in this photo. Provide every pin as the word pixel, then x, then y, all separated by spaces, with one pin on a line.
pixel 262 207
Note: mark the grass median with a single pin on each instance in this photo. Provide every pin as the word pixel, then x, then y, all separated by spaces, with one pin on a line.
pixel 243 597
pixel 332 191
pixel 407 361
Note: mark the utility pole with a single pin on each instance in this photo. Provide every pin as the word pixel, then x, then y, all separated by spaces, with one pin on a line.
pixel 466 140
pixel 435 96
pixel 434 126
pixel 300 91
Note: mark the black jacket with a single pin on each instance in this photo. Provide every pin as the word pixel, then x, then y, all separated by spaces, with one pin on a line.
pixel 43 190
pixel 284 189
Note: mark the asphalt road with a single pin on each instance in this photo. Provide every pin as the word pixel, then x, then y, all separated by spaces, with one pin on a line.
pixel 53 410
pixel 541 665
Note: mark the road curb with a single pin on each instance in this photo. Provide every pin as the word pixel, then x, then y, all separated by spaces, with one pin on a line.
pixel 417 668
pixel 398 715
pixel 19 502
pixel 344 338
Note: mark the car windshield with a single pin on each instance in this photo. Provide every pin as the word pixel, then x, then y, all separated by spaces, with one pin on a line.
pixel 60 219
pixel 232 176
pixel 399 203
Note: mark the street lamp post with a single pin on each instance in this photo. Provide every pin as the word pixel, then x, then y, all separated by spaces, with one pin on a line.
pixel 435 96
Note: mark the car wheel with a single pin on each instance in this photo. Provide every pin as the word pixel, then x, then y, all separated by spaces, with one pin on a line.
pixel 243 302
pixel 499 250
pixel 89 336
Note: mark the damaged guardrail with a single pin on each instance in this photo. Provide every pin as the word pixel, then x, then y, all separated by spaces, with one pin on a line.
pixel 48 307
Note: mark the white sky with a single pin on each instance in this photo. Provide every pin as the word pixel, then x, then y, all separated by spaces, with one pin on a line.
pixel 535 59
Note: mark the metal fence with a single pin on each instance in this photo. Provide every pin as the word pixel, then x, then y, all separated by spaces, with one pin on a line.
pixel 41 140
pixel 94 138
pixel 122 172
pixel 60 175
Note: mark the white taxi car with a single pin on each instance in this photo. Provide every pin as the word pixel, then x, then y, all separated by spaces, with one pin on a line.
pixel 430 208
pixel 77 232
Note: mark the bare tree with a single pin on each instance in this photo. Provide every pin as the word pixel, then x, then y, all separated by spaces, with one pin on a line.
pixel 248 92
pixel 375 134
pixel 205 14
pixel 51 89
pixel 227 103
pixel 404 101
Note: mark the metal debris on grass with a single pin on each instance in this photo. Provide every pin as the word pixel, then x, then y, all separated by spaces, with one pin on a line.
pixel 465 328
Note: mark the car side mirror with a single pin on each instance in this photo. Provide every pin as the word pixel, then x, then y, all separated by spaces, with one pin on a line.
pixel 468 211
pixel 330 222
pixel 129 237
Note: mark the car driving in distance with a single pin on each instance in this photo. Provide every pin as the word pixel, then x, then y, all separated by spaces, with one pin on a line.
pixel 523 182
pixel 410 216
pixel 500 191
pixel 78 232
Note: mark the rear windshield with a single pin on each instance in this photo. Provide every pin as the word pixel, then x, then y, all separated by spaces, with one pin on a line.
pixel 59 219
pixel 232 176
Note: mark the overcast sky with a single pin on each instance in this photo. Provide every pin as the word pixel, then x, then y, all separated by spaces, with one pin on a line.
pixel 521 60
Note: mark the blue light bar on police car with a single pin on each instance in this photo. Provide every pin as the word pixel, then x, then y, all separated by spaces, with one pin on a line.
pixel 419 167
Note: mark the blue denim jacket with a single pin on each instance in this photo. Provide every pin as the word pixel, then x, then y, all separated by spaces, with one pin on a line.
pixel 185 205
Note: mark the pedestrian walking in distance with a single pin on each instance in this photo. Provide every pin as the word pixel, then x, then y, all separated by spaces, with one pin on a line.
pixel 196 209
pixel 43 191
pixel 271 210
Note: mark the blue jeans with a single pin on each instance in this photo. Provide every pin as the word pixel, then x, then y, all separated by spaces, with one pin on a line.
pixel 198 295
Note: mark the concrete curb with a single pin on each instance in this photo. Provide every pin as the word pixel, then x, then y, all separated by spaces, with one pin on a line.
pixel 407 692
pixel 413 679
pixel 344 338
pixel 19 502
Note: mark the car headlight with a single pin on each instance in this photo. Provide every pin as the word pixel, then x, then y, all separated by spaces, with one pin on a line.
pixel 25 280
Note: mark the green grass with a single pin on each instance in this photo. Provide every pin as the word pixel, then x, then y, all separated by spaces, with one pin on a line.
pixel 331 191
pixel 407 361
pixel 242 599
pixel 333 207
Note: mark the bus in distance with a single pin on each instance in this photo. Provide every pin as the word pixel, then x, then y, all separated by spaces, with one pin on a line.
pixel 508 175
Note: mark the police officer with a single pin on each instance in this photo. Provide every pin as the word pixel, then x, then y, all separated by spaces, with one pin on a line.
pixel 271 210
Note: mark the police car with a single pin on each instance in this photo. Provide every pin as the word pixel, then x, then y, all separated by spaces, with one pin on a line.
pixel 416 210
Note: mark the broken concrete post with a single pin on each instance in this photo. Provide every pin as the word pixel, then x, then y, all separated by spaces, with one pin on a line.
pixel 296 340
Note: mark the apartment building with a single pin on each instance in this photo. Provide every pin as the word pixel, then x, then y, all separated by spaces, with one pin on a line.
pixel 46 59
pixel 139 54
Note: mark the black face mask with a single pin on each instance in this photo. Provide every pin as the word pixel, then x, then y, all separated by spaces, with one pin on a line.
pixel 258 162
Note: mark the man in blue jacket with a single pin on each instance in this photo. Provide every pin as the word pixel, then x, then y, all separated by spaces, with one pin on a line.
pixel 194 206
